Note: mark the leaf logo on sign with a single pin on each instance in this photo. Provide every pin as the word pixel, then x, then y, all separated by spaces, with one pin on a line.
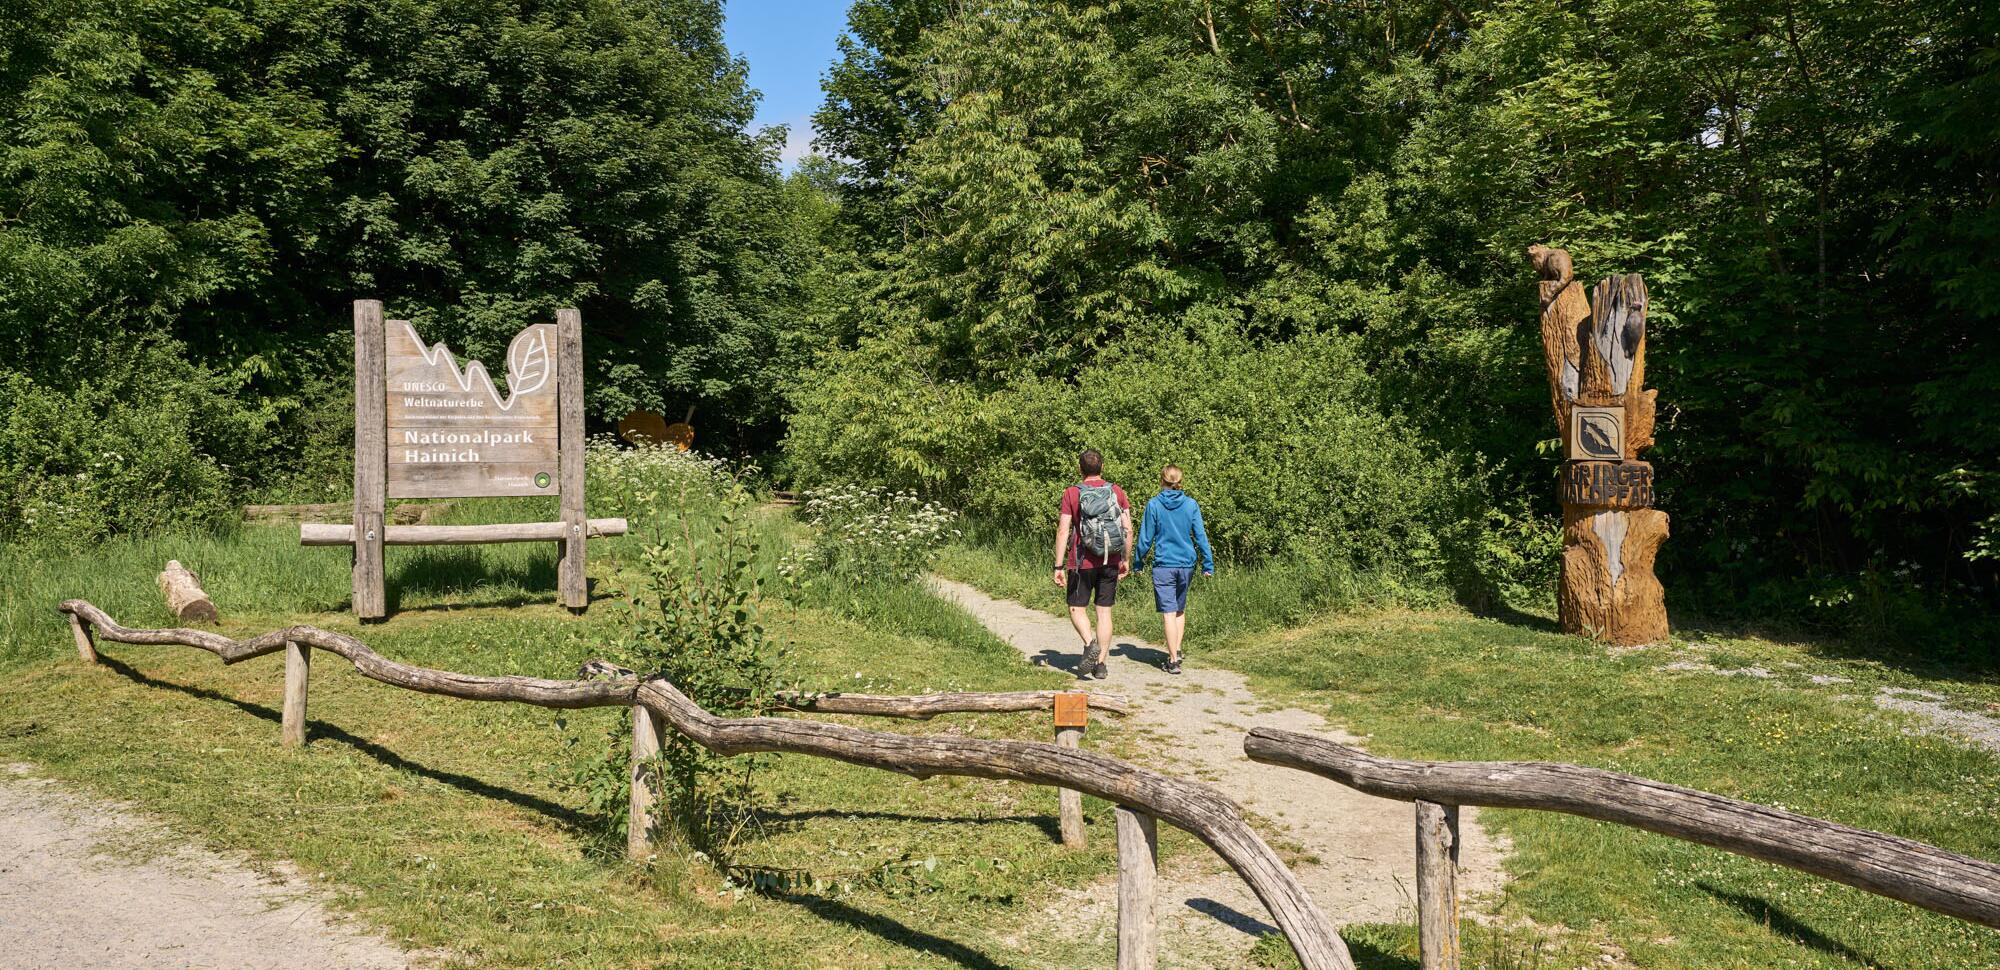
pixel 528 365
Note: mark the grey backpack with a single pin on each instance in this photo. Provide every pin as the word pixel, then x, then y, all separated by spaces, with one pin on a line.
pixel 1098 521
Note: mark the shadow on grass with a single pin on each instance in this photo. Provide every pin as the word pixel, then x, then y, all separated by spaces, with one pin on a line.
pixel 320 731
pixel 1776 919
pixel 465 570
pixel 892 930
pixel 1047 824
pixel 1500 612
pixel 1966 650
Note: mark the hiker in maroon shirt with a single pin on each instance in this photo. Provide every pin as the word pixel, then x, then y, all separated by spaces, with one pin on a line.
pixel 1093 552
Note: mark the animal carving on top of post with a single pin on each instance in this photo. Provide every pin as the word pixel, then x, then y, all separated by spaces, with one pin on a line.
pixel 1595 349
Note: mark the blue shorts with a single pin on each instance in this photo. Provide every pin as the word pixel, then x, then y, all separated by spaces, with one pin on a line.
pixel 1170 587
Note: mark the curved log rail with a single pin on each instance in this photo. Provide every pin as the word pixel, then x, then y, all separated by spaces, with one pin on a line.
pixel 605 684
pixel 1887 865
pixel 916 707
pixel 1197 808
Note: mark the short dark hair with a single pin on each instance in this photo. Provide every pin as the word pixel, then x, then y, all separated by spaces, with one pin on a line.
pixel 1090 463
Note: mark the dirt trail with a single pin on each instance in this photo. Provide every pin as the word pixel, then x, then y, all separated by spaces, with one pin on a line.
pixel 1355 853
pixel 64 904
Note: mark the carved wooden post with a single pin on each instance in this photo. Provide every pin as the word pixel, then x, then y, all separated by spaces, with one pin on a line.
pixel 1072 714
pixel 298 665
pixel 1437 886
pixel 1138 861
pixel 1595 351
pixel 645 747
pixel 371 459
pixel 572 586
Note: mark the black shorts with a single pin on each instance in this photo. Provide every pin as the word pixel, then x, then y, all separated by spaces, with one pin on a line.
pixel 1102 580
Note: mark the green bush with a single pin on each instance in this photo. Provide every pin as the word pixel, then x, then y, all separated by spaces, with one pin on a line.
pixel 1285 445
pixel 695 594
pixel 868 534
pixel 652 484
pixel 124 448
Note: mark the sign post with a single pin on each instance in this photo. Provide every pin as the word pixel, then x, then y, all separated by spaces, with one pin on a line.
pixel 427 427
pixel 1072 716
pixel 371 460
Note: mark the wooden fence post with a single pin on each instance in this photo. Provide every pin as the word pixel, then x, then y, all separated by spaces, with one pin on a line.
pixel 1138 859
pixel 298 664
pixel 371 459
pixel 1072 714
pixel 1070 799
pixel 86 648
pixel 1437 886
pixel 572 585
pixel 645 747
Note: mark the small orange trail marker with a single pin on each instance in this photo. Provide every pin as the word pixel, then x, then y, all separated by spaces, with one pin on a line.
pixel 1072 710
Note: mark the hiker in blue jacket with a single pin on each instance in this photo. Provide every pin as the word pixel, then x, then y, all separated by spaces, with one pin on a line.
pixel 1170 519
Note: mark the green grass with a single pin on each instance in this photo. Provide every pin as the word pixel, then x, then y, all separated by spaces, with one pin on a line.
pixel 1438 683
pixel 448 823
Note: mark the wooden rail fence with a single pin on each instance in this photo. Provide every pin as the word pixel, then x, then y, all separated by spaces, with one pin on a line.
pixel 1887 865
pixel 1141 796
pixel 1898 868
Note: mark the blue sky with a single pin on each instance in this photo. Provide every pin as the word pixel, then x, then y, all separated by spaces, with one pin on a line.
pixel 789 44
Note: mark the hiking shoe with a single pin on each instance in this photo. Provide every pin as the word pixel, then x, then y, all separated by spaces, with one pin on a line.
pixel 1173 666
pixel 1100 671
pixel 1083 665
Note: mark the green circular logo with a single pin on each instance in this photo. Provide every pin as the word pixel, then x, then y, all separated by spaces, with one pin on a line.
pixel 541 479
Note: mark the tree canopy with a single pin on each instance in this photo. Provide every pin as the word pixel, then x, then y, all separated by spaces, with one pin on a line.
pixel 1809 189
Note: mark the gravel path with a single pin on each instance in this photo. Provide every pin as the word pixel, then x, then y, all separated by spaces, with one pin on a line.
pixel 65 904
pixel 1355 853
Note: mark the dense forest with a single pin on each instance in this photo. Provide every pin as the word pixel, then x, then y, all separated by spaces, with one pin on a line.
pixel 1281 243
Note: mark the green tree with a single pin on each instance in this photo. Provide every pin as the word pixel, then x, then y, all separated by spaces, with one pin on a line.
pixel 1808 187
pixel 219 181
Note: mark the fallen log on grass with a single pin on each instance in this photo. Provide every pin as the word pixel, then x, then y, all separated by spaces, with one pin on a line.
pixel 1901 869
pixel 185 597
pixel 1197 808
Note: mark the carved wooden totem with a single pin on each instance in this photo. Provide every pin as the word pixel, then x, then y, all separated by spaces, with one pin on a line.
pixel 1595 350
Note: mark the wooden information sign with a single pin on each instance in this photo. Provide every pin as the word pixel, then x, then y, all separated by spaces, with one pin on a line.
pixel 426 426
pixel 452 433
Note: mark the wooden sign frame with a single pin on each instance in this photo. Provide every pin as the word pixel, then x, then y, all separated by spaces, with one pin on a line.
pixel 370 533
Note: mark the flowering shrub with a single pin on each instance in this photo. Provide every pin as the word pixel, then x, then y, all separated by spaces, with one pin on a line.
pixel 868 533
pixel 695 594
pixel 636 482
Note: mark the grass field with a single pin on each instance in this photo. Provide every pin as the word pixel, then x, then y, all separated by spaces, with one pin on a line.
pixel 1442 684
pixel 451 824
pixel 455 826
